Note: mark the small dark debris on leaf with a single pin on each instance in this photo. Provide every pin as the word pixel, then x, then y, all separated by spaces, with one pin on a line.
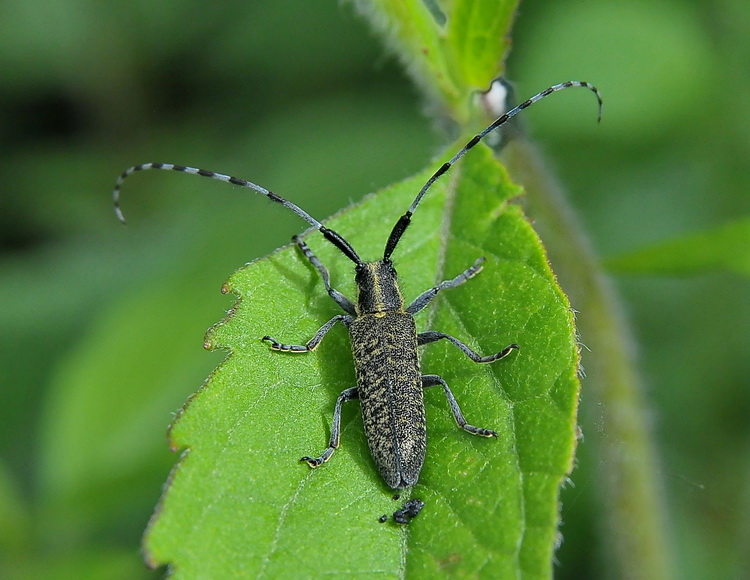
pixel 382 519
pixel 396 497
pixel 410 511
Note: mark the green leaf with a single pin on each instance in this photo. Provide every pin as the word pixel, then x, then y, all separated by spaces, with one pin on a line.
pixel 240 503
pixel 478 37
pixel 451 49
pixel 723 248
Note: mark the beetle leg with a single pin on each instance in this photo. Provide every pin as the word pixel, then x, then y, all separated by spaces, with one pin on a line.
pixel 345 304
pixel 433 336
pixel 347 395
pixel 427 296
pixel 434 380
pixel 313 343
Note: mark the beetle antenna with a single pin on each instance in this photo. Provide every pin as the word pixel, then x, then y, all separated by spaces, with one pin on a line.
pixel 335 238
pixel 405 219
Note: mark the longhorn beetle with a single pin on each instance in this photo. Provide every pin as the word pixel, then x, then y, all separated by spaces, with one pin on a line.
pixel 382 330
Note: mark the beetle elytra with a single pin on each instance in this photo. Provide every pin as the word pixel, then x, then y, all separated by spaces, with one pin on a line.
pixel 382 329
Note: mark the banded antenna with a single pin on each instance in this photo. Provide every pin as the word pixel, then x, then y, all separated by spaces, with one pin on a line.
pixel 405 219
pixel 335 238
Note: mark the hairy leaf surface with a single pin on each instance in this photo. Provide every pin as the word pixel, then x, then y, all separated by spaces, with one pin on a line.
pixel 239 502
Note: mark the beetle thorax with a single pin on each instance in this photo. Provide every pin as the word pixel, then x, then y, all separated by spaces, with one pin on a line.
pixel 377 287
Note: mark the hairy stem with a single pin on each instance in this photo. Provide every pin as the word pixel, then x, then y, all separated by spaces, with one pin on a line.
pixel 630 491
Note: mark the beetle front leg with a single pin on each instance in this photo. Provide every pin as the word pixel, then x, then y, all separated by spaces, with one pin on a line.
pixel 313 343
pixel 434 380
pixel 433 336
pixel 345 304
pixel 347 395
pixel 428 295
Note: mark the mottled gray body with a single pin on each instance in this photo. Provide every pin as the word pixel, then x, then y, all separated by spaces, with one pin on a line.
pixel 385 346
pixel 390 394
pixel 383 333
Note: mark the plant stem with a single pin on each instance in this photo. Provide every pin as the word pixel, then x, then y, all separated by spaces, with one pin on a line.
pixel 630 492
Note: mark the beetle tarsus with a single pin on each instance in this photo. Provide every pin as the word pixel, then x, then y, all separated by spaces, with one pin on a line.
pixel 312 461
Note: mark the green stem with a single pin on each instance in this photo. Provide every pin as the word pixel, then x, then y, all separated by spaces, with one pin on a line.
pixel 630 491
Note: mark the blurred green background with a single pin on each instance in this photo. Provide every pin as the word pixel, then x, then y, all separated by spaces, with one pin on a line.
pixel 102 325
